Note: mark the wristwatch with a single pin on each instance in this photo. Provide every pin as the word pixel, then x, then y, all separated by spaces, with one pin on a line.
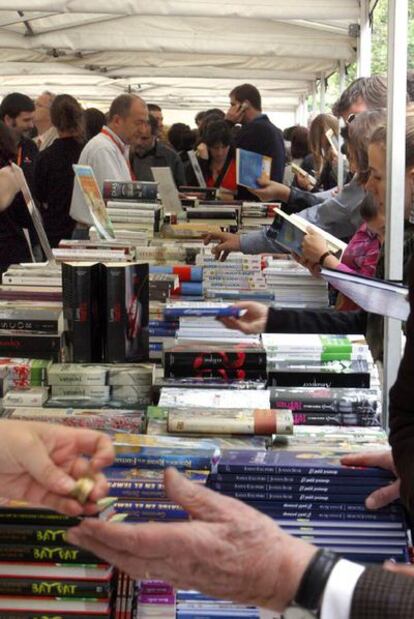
pixel 308 599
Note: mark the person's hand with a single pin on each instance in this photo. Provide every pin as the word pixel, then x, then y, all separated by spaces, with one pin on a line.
pixel 271 190
pixel 303 182
pixel 399 568
pixel 202 151
pixel 227 242
pixel 253 320
pixel 228 550
pixel 39 463
pixel 235 114
pixel 313 246
pixel 383 459
pixel 314 269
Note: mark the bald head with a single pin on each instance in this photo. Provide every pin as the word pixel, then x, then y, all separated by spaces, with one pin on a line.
pixel 43 103
pixel 127 115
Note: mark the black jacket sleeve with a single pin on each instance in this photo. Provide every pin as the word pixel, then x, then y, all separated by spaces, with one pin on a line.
pixel 402 410
pixel 383 595
pixel 315 321
pixel 300 199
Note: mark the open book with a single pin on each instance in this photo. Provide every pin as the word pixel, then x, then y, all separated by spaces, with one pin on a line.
pixel 34 213
pixel 251 166
pixel 373 295
pixel 192 157
pixel 93 199
pixel 291 230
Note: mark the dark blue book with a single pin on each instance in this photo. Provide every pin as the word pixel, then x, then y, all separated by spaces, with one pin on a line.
pixel 185 460
pixel 297 478
pixel 293 462
pixel 334 490
pixel 150 510
pixel 268 496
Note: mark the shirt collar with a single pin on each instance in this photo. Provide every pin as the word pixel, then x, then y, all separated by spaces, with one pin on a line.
pixel 116 138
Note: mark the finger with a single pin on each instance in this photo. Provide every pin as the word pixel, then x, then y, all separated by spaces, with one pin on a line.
pixel 98 446
pixel 224 255
pixel 200 502
pixel 370 458
pixel 406 570
pixel 383 496
pixel 230 322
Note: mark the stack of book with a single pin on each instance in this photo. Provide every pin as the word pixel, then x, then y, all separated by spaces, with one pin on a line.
pixel 166 252
pixel 124 386
pixel 240 277
pixel 192 604
pixel 317 499
pixel 30 325
pixel 94 251
pixel 23 382
pixel 43 575
pixel 292 285
pixel 190 278
pixel 144 217
pixel 312 360
pixel 198 321
pixel 162 286
pixel 256 214
pixel 156 600
pixel 226 216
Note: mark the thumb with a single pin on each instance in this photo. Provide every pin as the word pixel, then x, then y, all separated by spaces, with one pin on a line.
pixel 383 496
pixel 200 502
pixel 37 463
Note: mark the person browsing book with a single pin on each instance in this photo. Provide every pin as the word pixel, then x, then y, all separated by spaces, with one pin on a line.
pixel 108 152
pixel 257 133
pixel 219 169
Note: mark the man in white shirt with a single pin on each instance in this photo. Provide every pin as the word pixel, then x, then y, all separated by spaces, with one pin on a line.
pixel 46 132
pixel 108 152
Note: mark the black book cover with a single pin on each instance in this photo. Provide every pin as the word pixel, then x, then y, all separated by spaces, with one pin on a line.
pixel 47 587
pixel 324 400
pixel 184 360
pixel 326 375
pixel 39 346
pixel 126 301
pixel 336 419
pixel 46 554
pixel 28 326
pixel 206 372
pixel 80 309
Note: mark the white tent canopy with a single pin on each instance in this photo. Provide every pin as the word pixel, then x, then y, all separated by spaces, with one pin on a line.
pixel 179 53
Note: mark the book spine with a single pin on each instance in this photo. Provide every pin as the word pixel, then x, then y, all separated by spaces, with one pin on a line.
pixel 356 403
pixel 356 493
pixel 339 419
pixel 334 483
pixel 223 373
pixel 44 587
pixel 45 554
pixel 356 380
pixel 252 360
pixel 147 510
pixel 115 190
pixel 266 422
pixel 268 496
pixel 45 326
pixel 34 346
pixel 188 460
pixel 136 489
pixel 302 471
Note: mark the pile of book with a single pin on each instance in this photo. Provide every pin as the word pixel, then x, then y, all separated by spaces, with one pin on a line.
pixel 127 216
pixel 224 216
pixel 317 499
pixel 256 214
pixel 31 323
pixel 99 250
pixel 190 278
pixel 156 600
pixel 240 277
pixel 197 320
pixel 194 604
pixel 41 574
pixel 23 382
pixel 292 285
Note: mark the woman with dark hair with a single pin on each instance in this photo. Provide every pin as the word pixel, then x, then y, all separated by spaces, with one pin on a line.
pixel 54 174
pixel 14 246
pixel 220 168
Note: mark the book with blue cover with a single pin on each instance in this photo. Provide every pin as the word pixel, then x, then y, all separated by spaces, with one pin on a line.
pixel 293 462
pixel 250 167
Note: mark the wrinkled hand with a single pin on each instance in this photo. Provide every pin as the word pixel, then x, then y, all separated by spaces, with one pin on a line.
pixel 399 568
pixel 228 550
pixel 202 151
pixel 39 463
pixel 387 494
pixel 228 242
pixel 253 320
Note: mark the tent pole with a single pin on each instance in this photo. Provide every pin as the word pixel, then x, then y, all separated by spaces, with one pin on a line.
pixel 322 94
pixel 364 47
pixel 340 140
pixel 397 87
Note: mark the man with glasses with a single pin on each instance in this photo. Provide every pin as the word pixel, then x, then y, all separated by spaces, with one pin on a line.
pixel 46 132
pixel 108 152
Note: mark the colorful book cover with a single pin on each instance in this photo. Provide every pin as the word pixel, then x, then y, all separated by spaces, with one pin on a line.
pixel 250 167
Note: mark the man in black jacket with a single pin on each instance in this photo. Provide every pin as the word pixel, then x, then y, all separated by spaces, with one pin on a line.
pixel 257 133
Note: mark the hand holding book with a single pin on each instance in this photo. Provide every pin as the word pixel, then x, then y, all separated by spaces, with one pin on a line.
pixel 252 321
pixel 40 463
pixel 387 494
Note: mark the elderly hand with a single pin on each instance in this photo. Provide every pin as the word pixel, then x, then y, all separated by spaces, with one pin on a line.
pixel 39 463
pixel 253 320
pixel 387 494
pixel 228 242
pixel 313 246
pixel 228 550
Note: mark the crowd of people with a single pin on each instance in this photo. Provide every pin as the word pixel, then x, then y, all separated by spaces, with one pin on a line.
pixel 227 549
